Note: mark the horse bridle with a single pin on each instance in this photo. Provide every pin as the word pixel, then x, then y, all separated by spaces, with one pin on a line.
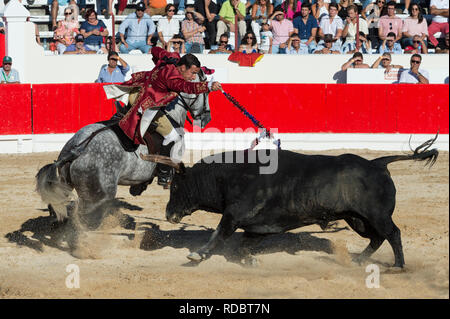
pixel 187 106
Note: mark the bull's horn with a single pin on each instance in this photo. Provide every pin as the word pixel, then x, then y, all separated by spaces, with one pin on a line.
pixel 160 159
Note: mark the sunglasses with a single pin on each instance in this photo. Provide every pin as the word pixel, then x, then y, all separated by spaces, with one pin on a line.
pixel 295 40
pixel 390 25
pixel 385 59
pixel 415 41
pixel 415 61
pixel 381 2
pixel 171 10
pixel 223 42
pixel 67 13
pixel 114 59
pixel 389 40
pixel 7 63
pixel 177 42
pixel 249 38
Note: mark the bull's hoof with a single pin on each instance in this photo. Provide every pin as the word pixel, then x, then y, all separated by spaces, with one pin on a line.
pixel 251 262
pixel 196 257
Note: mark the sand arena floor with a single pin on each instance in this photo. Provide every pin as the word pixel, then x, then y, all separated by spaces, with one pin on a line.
pixel 140 255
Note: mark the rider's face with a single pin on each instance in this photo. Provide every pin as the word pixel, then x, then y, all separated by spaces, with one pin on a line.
pixel 189 74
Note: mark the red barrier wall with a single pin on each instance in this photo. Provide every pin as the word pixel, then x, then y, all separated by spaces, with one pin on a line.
pixel 15 109
pixel 291 108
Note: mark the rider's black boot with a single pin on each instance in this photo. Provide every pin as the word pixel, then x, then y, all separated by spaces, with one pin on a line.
pixel 165 172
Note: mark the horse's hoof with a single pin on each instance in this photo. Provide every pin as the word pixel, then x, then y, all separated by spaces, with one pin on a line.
pixel 195 257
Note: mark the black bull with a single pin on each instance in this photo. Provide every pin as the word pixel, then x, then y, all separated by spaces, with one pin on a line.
pixel 304 190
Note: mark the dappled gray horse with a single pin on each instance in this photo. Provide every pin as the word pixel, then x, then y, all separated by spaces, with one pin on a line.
pixel 95 168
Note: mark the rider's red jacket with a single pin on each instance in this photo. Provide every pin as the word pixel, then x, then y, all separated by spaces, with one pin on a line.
pixel 158 88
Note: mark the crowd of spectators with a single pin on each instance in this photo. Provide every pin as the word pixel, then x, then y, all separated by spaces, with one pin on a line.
pixel 264 26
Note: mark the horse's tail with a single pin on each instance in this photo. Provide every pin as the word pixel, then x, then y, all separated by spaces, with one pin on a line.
pixel 421 153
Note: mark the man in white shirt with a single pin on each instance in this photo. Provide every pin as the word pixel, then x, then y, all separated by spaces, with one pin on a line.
pixel 439 10
pixel 331 24
pixel 168 26
pixel 415 75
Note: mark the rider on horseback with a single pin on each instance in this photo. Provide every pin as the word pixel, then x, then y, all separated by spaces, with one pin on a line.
pixel 147 93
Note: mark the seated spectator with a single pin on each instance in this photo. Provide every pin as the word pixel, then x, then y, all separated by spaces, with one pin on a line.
pixel 390 23
pixel 176 44
pixel 58 7
pixel 415 74
pixel 209 10
pixel 249 44
pixel 328 46
pixel 261 11
pixel 332 24
pixel 443 47
pixel 414 25
pixel 295 46
pixel 112 72
pixel 290 8
pixel 355 62
pixel 343 8
pixel 306 27
pixel 372 13
pixel 223 47
pixel 389 45
pixel 79 47
pixel 8 75
pixel 93 31
pixel 439 10
pixel 139 29
pixel 155 7
pixel 282 29
pixel 226 18
pixel 168 26
pixel 192 33
pixel 418 46
pixel 349 31
pixel 64 34
pixel 320 9
pixel 266 39
pixel 384 62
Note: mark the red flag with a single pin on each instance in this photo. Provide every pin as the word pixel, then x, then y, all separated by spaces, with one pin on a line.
pixel 245 59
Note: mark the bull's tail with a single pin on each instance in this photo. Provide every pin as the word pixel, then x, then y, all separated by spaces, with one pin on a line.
pixel 52 188
pixel 421 153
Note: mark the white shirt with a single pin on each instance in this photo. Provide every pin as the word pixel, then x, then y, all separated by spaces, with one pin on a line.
pixel 168 28
pixel 351 35
pixel 265 40
pixel 439 4
pixel 408 77
pixel 331 28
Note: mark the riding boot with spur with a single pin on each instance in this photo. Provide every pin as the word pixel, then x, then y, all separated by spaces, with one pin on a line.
pixel 165 172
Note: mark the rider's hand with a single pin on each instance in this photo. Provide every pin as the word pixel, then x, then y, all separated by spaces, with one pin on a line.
pixel 216 86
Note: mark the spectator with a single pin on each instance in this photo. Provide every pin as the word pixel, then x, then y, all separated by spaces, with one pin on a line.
pixel 384 62
pixel 168 26
pixel 282 29
pixel 139 29
pixel 223 47
pixel 9 75
pixel 328 46
pixel 413 25
pixel 58 7
pixel 349 31
pixel 372 13
pixel 415 74
pixel 343 7
pixel 389 45
pixel 295 46
pixel 112 72
pixel 261 11
pixel 306 27
pixel 79 47
pixel 266 36
pixel 209 10
pixel 176 44
pixel 355 62
pixel 2 28
pixel 332 24
pixel 439 10
pixel 93 31
pixel 418 46
pixel 192 33
pixel 226 18
pixel 443 47
pixel 64 34
pixel 155 7
pixel 408 2
pixel 249 44
pixel 390 23
pixel 290 8
pixel 320 9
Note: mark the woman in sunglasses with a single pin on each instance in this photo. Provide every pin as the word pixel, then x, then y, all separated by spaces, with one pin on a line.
pixel 176 44
pixel 248 44
pixel 167 26
pixel 414 25
pixel 67 29
pixel 418 46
